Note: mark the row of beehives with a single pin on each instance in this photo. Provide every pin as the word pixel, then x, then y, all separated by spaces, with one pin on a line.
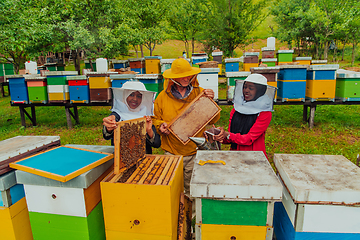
pixel 305 82
pixel 67 86
pixel 311 197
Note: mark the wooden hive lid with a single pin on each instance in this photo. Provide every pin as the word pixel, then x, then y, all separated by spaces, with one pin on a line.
pixel 321 179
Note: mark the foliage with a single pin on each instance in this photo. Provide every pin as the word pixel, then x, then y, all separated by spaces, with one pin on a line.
pixel 187 20
pixel 231 22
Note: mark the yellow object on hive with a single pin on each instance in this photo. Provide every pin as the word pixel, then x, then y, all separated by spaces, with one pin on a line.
pixel 216 232
pixel 14 222
pixel 59 96
pixel 247 66
pixel 152 66
pixel 99 82
pixel 146 205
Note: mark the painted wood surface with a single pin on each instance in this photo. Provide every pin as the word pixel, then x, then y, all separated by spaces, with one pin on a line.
pixel 14 222
pixel 246 175
pixel 59 227
pixel 62 163
pixel 143 209
pixel 225 232
pixel 249 213
pixel 324 178
pixel 15 146
pixel 193 118
pixel 320 89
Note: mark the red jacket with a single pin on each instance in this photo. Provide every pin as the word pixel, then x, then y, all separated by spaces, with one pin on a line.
pixel 254 140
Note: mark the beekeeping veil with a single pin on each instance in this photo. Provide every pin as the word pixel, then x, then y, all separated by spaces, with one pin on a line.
pixel 263 100
pixel 121 107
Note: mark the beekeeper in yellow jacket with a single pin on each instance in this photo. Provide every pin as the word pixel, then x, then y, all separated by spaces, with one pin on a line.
pixel 180 88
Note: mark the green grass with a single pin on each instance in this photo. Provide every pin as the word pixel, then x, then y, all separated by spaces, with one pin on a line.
pixel 336 130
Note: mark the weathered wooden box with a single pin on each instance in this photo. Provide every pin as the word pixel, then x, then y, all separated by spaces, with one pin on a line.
pixel 145 205
pixel 67 209
pixel 320 197
pixel 236 200
pixel 117 64
pixel 269 72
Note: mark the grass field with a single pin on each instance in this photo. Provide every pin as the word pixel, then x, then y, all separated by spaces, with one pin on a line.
pixel 336 130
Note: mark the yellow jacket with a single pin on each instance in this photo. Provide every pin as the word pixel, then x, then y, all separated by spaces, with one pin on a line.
pixel 166 108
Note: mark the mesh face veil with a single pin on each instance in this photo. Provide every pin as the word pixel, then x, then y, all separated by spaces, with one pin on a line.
pixel 253 98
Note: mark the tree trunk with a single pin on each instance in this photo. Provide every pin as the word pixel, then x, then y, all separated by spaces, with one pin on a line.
pixel 343 51
pixel 91 65
pixel 326 49
pixel 353 53
pixel 335 51
pixel 193 45
pixel 142 50
pixel 77 61
pixel 187 48
pixel 136 51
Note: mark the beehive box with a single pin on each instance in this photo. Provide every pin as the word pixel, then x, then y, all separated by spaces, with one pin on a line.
pixel 15 148
pixel 117 64
pixel 292 83
pixel 267 52
pixel 270 62
pixel 18 89
pixel 152 82
pixel 6 69
pixel 37 88
pixel 152 65
pixel 232 64
pixel 118 80
pixel 236 200
pixel 247 66
pixel 320 197
pixel 137 65
pixel 99 85
pixel 347 85
pixel 217 56
pixel 269 72
pixel 165 64
pixel 285 56
pixel 208 78
pixel 321 82
pixel 251 57
pixel 193 118
pixel 69 209
pixel 146 204
pixel 57 85
pixel 318 62
pixel 78 89
pixel 231 78
pixel 54 67
pixel 88 66
pixel 303 60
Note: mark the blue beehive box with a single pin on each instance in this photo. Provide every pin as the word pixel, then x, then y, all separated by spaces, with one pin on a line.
pixel 117 64
pixel 79 93
pixel 199 58
pixel 322 72
pixel 232 64
pixel 18 89
pixel 292 72
pixel 118 80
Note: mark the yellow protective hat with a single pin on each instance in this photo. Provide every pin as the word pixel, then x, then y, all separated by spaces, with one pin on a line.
pixel 180 68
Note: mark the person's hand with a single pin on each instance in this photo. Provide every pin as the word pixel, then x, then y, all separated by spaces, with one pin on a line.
pixel 149 130
pixel 163 129
pixel 110 123
pixel 222 135
pixel 209 93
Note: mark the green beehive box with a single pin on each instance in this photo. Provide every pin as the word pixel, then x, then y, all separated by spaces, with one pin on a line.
pixel 285 55
pixel 38 94
pixel 88 66
pixel 347 85
pixel 58 80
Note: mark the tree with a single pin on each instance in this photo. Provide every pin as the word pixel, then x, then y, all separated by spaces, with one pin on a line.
pixel 147 17
pixel 186 20
pixel 231 22
pixel 353 26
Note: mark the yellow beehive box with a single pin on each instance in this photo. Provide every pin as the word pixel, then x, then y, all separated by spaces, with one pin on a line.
pixel 274 84
pixel 146 204
pixel 152 65
pixel 247 66
pixel 14 222
pixel 320 89
pixel 99 82
pixel 220 69
pixel 59 96
pixel 215 232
